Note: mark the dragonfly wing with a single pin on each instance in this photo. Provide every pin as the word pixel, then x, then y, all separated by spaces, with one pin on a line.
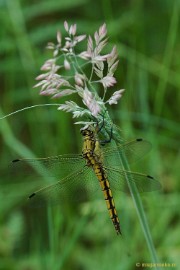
pixel 57 167
pixel 78 186
pixel 133 151
pixel 143 182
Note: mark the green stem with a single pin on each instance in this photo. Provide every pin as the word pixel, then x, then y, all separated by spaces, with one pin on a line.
pixel 135 196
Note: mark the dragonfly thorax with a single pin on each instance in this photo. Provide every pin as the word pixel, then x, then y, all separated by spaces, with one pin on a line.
pixel 91 148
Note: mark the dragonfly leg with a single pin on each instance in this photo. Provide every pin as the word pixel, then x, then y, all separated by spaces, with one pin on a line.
pixel 99 128
pixel 103 142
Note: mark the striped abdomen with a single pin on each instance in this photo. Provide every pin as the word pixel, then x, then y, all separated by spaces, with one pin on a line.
pixel 92 154
pixel 102 177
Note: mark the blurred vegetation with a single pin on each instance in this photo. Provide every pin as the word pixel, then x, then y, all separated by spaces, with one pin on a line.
pixel 82 236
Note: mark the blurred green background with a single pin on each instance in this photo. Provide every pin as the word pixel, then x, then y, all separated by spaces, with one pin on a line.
pixel 82 236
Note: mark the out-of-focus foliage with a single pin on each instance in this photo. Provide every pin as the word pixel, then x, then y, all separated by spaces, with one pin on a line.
pixel 82 236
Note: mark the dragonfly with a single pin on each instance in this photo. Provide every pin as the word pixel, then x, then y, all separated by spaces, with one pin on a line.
pixel 97 167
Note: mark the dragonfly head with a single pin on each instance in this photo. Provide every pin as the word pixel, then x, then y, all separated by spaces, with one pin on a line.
pixel 87 132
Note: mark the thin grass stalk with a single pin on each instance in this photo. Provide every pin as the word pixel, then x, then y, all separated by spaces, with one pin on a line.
pixel 137 201
pixel 168 54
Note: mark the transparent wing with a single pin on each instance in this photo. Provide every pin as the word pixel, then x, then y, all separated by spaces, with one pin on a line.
pixel 75 187
pixel 83 183
pixel 143 182
pixel 73 181
pixel 27 175
pixel 56 166
pixel 133 150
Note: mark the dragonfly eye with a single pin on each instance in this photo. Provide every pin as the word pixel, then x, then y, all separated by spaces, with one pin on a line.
pixel 83 132
pixel 86 132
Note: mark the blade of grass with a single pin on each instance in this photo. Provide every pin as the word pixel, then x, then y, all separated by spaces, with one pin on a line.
pixel 12 142
pixel 140 211
pixel 18 147
pixel 160 92
pixel 150 65
pixel 136 198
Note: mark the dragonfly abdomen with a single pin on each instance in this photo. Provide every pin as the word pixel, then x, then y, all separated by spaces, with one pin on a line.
pixel 105 186
pixel 92 154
